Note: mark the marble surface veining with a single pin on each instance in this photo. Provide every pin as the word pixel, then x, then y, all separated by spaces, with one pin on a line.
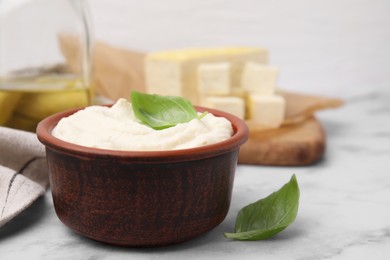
pixel 344 207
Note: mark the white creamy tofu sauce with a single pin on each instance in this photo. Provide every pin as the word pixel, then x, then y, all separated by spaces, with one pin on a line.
pixel 117 128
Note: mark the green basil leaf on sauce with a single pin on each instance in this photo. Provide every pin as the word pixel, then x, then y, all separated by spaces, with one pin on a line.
pixel 160 112
pixel 269 216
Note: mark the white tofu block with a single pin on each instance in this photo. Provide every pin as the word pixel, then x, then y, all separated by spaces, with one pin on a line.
pixel 165 78
pixel 259 79
pixel 238 92
pixel 214 78
pixel 232 105
pixel 175 72
pixel 266 111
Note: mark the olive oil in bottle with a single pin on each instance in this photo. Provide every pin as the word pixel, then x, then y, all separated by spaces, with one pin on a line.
pixel 27 99
pixel 45 59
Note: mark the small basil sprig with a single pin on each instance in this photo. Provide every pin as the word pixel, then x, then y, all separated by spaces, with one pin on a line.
pixel 160 112
pixel 269 216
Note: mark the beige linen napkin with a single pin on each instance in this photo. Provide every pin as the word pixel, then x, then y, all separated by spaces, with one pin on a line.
pixel 23 172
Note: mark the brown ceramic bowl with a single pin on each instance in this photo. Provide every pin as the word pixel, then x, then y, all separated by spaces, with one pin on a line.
pixel 137 198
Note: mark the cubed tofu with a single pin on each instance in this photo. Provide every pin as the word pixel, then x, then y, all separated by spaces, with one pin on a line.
pixel 214 78
pixel 238 92
pixel 175 72
pixel 232 105
pixel 266 111
pixel 259 78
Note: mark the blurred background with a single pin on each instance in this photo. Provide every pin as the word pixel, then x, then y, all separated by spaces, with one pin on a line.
pixel 337 48
pixel 327 47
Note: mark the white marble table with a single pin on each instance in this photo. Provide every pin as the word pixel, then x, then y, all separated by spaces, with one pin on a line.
pixel 344 207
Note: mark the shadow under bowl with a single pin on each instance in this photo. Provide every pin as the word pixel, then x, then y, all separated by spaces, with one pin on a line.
pixel 139 198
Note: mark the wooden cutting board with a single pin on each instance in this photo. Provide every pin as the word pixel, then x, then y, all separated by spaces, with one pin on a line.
pixel 291 145
pixel 301 139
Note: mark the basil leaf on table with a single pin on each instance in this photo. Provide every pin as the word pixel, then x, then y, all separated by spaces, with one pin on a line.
pixel 160 112
pixel 269 216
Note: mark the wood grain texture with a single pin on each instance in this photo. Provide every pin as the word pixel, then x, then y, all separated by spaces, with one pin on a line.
pixel 292 145
pixel 141 198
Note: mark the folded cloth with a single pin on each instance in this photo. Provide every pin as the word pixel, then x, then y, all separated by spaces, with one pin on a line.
pixel 23 172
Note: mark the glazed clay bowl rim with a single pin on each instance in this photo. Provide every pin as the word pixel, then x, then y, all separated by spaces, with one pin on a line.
pixel 238 138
